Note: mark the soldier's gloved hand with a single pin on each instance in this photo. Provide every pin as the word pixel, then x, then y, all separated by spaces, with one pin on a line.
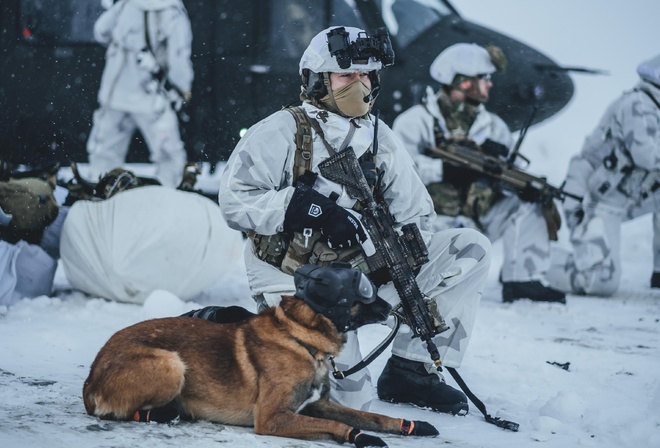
pixel 530 194
pixel 574 217
pixel 495 149
pixel 309 209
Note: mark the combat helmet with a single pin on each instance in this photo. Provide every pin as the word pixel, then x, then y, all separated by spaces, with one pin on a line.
pixel 464 61
pixel 650 70
pixel 343 50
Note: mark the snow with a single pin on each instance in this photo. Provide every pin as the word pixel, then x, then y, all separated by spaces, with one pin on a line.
pixel 608 397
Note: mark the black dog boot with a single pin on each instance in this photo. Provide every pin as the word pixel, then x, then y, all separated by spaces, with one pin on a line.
pixel 534 290
pixel 405 381
pixel 164 414
pixel 655 280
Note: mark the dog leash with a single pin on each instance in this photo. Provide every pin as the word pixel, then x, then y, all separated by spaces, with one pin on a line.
pixel 341 374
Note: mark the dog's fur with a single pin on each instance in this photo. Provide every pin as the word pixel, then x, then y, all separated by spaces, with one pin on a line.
pixel 265 371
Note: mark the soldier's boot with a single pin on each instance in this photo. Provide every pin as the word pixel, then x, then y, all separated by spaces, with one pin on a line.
pixel 655 280
pixel 405 381
pixel 533 290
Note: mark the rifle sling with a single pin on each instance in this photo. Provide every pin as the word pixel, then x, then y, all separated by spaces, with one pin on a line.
pixel 504 424
pixel 375 353
pixel 147 41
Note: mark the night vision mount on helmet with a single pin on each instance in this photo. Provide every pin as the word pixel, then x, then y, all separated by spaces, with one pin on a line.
pixel 378 47
pixel 344 50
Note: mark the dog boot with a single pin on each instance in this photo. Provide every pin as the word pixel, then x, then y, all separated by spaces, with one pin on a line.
pixel 405 381
pixel 534 290
pixel 165 414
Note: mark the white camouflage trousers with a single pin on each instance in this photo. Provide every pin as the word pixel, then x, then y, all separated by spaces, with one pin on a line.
pixel 454 277
pixel 522 227
pixel 111 134
pixel 594 265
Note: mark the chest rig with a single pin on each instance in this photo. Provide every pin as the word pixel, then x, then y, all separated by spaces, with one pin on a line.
pixel 289 252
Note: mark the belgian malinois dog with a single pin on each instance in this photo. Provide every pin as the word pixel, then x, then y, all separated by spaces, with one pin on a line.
pixel 268 370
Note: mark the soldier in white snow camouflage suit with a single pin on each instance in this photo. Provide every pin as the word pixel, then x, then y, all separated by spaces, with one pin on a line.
pixel 257 195
pixel 618 175
pixel 131 97
pixel 457 112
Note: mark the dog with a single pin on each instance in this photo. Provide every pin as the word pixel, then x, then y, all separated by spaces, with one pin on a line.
pixel 268 370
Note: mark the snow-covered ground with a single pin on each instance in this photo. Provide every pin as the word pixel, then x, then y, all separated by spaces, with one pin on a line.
pixel 608 397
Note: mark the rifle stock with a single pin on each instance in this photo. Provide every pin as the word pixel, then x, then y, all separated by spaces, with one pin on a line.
pixel 393 252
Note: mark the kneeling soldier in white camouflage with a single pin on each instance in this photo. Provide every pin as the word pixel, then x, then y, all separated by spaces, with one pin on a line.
pixel 618 175
pixel 273 190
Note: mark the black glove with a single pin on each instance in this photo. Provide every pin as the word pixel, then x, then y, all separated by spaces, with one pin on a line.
pixel 362 440
pixel 309 209
pixel 492 148
pixel 530 194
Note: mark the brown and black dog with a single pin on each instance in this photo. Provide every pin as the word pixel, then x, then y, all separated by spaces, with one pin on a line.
pixel 269 371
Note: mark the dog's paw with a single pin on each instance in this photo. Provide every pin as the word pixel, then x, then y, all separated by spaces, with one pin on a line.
pixel 362 440
pixel 418 428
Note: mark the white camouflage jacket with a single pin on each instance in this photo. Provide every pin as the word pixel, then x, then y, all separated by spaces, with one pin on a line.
pixel 121 29
pixel 622 155
pixel 415 127
pixel 256 186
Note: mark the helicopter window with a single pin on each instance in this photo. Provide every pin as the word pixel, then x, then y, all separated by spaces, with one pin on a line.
pixel 295 23
pixel 58 22
pixel 407 19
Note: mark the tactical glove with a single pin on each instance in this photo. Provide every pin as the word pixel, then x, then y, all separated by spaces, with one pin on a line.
pixel 309 209
pixel 495 149
pixel 531 194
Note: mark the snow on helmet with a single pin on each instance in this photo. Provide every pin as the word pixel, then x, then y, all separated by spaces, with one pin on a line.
pixel 461 59
pixel 650 70
pixel 318 59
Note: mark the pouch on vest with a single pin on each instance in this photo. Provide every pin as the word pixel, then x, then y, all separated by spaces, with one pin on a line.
pixel 268 248
pixel 446 198
pixel 480 198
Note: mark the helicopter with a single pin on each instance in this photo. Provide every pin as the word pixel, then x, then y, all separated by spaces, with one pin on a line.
pixel 245 57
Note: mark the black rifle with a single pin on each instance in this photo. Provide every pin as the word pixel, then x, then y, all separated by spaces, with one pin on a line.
pixel 503 171
pixel 398 254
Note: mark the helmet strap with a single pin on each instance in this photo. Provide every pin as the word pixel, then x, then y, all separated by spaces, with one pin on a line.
pixel 331 95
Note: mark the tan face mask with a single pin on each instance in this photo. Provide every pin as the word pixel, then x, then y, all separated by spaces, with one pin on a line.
pixel 349 100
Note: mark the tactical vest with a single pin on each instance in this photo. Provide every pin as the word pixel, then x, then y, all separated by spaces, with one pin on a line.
pixel 288 255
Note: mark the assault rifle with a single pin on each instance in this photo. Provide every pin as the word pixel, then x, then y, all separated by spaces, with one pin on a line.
pixel 509 177
pixel 397 254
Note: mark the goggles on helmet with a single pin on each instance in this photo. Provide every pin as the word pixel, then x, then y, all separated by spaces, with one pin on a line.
pixel 332 291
